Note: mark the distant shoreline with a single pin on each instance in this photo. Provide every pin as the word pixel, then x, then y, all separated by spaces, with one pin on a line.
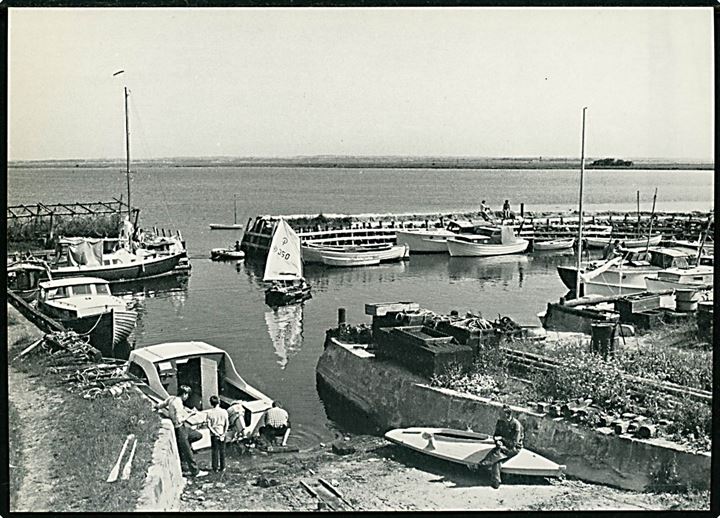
pixel 364 162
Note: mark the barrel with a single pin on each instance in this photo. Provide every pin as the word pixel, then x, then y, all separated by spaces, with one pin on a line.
pixel 601 338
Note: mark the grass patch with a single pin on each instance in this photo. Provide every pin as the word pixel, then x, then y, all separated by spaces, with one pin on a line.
pixel 15 457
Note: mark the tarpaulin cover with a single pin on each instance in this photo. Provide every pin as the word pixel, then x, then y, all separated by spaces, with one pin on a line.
pixel 87 252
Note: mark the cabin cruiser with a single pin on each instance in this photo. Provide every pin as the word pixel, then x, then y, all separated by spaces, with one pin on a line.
pixel 625 274
pixel 85 305
pixel 207 370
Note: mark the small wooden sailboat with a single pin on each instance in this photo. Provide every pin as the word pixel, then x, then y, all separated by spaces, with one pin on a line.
pixel 554 244
pixel 228 226
pixel 469 448
pixel 284 268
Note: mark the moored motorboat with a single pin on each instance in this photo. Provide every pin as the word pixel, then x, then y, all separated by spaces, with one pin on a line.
pixel 469 448
pixel 553 244
pixel 207 370
pixel 425 241
pixel 85 305
pixel 701 276
pixel 494 241
pixel 24 278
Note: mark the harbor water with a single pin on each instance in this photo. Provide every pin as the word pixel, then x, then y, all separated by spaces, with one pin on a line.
pixel 276 350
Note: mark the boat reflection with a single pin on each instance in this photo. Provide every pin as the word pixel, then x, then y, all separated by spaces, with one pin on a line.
pixel 496 270
pixel 173 288
pixel 285 326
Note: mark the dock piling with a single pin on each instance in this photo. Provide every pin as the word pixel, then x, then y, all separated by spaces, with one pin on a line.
pixel 341 316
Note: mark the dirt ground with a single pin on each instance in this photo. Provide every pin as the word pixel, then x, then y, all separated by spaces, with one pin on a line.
pixel 383 476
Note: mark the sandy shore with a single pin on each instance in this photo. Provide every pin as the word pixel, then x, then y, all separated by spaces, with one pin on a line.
pixel 381 476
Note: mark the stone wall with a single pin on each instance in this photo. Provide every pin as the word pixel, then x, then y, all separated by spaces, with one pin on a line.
pixel 164 482
pixel 395 398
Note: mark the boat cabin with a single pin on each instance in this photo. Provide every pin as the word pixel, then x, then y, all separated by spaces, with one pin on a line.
pixel 206 369
pixel 77 297
pixel 658 257
pixel 24 278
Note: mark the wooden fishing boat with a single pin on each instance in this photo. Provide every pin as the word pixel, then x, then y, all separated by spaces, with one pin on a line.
pixel 493 241
pixel 86 305
pixel 469 448
pixel 24 278
pixel 284 268
pixel 554 244
pixel 425 241
pixel 207 370
pixel 355 255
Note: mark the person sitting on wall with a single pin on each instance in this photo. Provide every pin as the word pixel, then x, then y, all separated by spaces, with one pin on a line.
pixel 612 249
pixel 276 422
pixel 184 434
pixel 508 438
pixel 237 246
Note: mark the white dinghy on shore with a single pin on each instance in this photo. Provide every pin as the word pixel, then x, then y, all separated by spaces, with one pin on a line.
pixel 469 448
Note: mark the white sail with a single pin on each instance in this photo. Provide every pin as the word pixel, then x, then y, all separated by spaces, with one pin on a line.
pixel 284 261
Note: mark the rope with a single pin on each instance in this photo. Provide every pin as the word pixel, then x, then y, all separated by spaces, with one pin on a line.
pixel 93 327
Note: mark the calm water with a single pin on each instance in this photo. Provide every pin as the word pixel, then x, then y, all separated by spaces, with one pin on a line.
pixel 277 350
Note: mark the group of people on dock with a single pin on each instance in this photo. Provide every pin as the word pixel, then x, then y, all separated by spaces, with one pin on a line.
pixel 486 212
pixel 225 426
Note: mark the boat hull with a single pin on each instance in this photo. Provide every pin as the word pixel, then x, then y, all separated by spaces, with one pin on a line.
pixel 282 297
pixel 354 256
pixel 107 331
pixel 222 254
pixel 424 241
pixel 555 244
pixel 459 248
pixel 223 226
pixel 469 448
pixel 151 267
pixel 602 242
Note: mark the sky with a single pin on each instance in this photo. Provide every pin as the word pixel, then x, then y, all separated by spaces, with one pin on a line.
pixel 287 82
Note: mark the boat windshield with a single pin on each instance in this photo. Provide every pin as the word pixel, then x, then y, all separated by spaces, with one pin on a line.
pixel 102 289
pixel 82 289
pixel 56 293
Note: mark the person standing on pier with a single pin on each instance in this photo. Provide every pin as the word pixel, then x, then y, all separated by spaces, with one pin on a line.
pixel 508 437
pixel 218 424
pixel 184 434
pixel 506 210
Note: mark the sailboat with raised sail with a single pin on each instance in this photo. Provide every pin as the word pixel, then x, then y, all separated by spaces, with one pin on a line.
pixel 118 259
pixel 227 226
pixel 284 268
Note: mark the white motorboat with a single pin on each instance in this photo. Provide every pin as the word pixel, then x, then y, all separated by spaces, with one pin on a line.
pixel 469 448
pixel 681 278
pixel 284 268
pixel 425 241
pixel 357 255
pixel 630 272
pixel 640 242
pixel 85 305
pixel 207 370
pixel 554 244
pixel 494 241
pixel 222 254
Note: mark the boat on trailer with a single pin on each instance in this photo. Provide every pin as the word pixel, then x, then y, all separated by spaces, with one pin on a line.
pixel 469 448
pixel 207 370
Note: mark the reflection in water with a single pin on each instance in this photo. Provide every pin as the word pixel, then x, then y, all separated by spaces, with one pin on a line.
pixel 173 288
pixel 285 326
pixel 496 270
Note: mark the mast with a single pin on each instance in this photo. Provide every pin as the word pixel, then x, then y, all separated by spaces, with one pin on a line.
pixel 580 207
pixel 652 214
pixel 235 205
pixel 127 153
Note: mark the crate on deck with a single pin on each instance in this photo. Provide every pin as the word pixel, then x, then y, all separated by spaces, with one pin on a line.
pixel 422 350
pixel 628 306
pixel 471 336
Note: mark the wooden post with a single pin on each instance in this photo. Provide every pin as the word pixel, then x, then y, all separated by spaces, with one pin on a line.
pixel 341 316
